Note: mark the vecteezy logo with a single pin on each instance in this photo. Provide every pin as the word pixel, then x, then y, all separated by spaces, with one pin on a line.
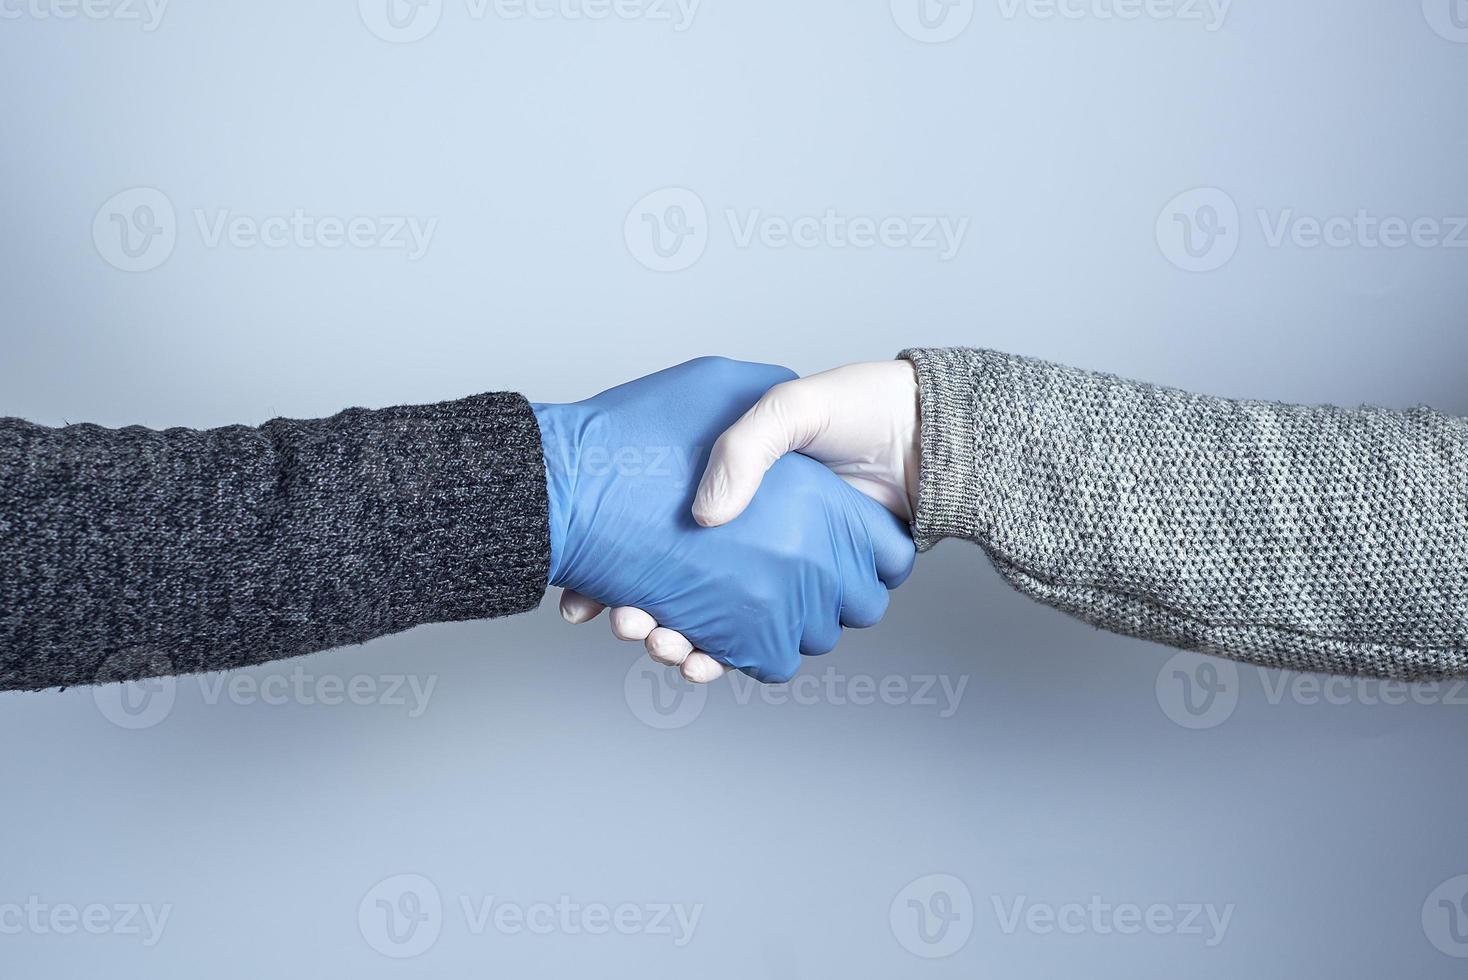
pixel 136 229
pixel 661 698
pixel 401 21
pixel 1449 18
pixel 932 21
pixel 933 916
pixel 135 704
pixel 1196 691
pixel 1199 229
pixel 1445 917
pixel 401 916
pixel 667 230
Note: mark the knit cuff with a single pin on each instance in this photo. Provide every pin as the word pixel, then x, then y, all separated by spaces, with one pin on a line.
pixel 948 482
pixel 477 537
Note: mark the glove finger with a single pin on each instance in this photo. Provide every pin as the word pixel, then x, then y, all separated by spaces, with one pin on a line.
pixel 892 546
pixel 631 623
pixel 668 646
pixel 763 643
pixel 700 668
pixel 577 608
pixel 863 604
pixel 766 667
pixel 820 636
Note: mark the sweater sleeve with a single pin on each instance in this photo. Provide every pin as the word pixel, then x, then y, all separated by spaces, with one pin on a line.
pixel 1311 538
pixel 128 553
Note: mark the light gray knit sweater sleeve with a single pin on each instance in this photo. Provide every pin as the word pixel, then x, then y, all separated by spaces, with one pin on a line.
pixel 1313 538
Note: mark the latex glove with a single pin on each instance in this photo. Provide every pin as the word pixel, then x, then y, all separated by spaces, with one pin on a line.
pixel 860 420
pixel 809 556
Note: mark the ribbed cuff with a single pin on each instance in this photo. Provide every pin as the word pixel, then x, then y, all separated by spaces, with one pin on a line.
pixel 948 484
pixel 486 517
pixel 453 503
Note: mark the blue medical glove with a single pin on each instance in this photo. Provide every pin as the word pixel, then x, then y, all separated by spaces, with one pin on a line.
pixel 808 556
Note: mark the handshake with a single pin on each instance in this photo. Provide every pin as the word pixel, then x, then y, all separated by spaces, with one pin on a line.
pixel 734 516
pixel 796 529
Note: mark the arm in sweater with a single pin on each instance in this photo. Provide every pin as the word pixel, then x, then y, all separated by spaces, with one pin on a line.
pixel 128 553
pixel 1312 538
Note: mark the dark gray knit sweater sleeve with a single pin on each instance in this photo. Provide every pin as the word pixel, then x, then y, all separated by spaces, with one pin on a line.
pixel 1314 538
pixel 127 553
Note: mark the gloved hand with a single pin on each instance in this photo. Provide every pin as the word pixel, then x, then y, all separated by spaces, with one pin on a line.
pixel 860 420
pixel 808 556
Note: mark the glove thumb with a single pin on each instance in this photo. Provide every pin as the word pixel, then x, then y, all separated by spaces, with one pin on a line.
pixel 744 452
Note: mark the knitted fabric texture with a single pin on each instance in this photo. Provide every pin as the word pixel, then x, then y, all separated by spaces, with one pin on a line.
pixel 1312 538
pixel 128 553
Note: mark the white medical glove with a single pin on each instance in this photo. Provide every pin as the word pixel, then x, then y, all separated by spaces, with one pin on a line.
pixel 861 420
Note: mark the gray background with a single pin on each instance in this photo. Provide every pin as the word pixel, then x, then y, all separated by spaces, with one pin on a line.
pixel 1073 766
